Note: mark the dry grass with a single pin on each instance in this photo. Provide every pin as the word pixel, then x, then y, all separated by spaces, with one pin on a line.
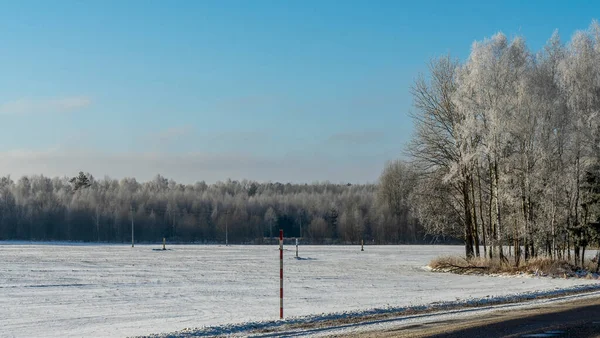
pixel 548 267
pixel 456 264
pixel 443 261
pixel 539 266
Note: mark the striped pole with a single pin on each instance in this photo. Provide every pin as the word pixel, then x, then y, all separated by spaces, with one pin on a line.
pixel 281 274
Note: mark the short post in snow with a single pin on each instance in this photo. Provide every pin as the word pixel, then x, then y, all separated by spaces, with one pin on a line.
pixel 281 274
pixel 362 245
pixel 164 242
pixel 296 247
pixel 131 212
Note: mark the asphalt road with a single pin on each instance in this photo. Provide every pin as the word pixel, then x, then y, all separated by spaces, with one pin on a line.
pixel 577 322
pixel 573 319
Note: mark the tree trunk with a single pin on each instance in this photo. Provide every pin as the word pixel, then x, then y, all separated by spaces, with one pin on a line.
pixel 568 247
pixel 492 225
pixel 553 231
pixel 468 226
pixel 474 215
pixel 483 230
pixel 498 215
pixel 531 225
pixel 526 222
pixel 576 220
pixel 517 246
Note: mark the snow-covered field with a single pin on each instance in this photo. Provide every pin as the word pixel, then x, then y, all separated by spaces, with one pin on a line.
pixel 116 290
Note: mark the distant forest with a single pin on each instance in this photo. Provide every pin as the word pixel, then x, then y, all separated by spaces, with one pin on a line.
pixel 83 208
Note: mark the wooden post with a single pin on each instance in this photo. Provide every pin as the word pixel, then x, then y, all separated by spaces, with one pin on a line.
pixel 131 211
pixel 362 245
pixel 296 247
pixel 164 242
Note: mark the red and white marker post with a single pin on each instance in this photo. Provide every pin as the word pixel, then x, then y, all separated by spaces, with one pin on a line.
pixel 281 274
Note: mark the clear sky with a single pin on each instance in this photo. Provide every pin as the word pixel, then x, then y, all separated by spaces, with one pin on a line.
pixel 290 91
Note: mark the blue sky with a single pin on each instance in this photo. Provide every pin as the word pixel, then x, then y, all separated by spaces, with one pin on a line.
pixel 297 91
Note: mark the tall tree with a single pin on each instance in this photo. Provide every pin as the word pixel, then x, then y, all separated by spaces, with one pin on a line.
pixel 439 148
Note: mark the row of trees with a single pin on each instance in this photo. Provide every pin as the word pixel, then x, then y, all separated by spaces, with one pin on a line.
pixel 85 209
pixel 505 155
pixel 507 147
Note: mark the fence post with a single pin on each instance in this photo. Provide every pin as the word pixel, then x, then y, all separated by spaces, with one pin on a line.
pixel 131 212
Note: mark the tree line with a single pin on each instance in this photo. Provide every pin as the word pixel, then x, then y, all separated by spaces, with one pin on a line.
pixel 506 150
pixel 505 156
pixel 83 208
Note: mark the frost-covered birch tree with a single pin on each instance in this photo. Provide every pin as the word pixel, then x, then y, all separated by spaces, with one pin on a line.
pixel 579 80
pixel 438 151
pixel 508 145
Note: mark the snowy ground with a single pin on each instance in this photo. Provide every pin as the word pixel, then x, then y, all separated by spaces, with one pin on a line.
pixel 113 290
